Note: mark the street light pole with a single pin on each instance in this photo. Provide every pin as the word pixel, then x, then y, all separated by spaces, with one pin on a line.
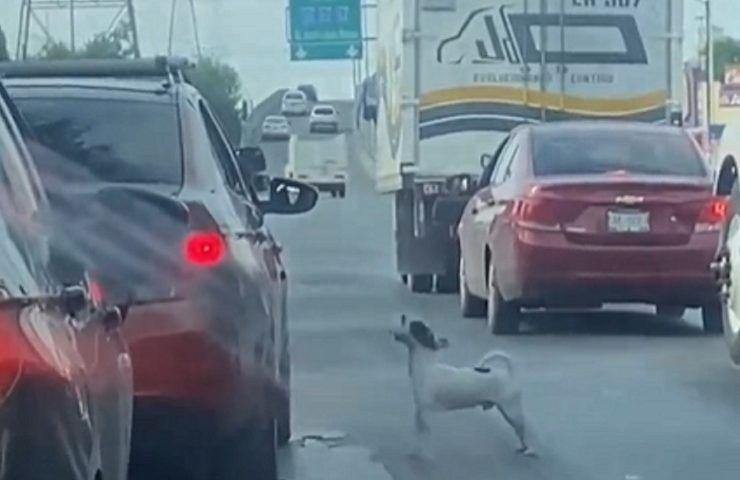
pixel 709 61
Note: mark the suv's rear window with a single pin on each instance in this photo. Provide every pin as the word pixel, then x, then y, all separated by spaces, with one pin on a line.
pixel 112 140
pixel 588 152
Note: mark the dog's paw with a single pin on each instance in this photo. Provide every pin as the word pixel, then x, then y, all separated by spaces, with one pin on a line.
pixel 422 455
pixel 527 452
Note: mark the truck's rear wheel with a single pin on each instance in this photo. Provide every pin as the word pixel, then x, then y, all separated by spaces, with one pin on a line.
pixel 447 283
pixel 670 311
pixel 711 316
pixel 421 283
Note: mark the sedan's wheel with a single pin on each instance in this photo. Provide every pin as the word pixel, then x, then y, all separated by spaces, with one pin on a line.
pixel 670 311
pixel 284 420
pixel 711 316
pixel 421 283
pixel 248 454
pixel 470 305
pixel 404 278
pixel 502 316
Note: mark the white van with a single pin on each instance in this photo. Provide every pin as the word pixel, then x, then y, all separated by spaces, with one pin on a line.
pixel 320 161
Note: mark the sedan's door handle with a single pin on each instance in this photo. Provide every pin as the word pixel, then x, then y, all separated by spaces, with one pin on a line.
pixel 254 236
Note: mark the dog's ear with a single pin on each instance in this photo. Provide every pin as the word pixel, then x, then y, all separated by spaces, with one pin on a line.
pixel 442 343
pixel 423 334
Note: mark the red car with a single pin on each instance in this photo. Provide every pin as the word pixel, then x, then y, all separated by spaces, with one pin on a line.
pixel 578 214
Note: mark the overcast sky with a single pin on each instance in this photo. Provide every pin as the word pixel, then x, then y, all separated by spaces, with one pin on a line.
pixel 250 34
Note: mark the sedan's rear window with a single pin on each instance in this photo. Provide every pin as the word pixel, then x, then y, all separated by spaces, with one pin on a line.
pixel 588 152
pixel 324 111
pixel 110 140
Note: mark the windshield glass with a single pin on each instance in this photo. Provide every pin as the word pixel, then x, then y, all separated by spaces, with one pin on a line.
pixel 587 152
pixel 114 141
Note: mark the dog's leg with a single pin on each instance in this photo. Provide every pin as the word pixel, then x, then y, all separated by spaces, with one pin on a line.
pixel 422 434
pixel 513 413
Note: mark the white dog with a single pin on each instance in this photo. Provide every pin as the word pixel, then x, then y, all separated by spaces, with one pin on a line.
pixel 438 387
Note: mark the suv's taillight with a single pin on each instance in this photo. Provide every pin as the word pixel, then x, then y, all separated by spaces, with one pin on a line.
pixel 534 213
pixel 712 215
pixel 204 249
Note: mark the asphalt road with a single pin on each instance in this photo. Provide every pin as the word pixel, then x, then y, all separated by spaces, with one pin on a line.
pixel 620 394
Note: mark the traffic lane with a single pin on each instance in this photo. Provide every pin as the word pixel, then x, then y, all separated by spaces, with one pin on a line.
pixel 607 394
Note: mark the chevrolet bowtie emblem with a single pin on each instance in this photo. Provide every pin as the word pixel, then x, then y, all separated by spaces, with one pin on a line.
pixel 629 199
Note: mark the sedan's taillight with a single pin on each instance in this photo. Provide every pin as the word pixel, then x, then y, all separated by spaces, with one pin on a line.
pixel 204 249
pixel 712 215
pixel 535 213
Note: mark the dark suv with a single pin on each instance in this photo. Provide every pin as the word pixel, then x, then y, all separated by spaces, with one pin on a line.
pixel 143 166
pixel 65 371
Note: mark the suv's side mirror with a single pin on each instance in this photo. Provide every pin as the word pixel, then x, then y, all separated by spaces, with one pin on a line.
pixel 289 197
pixel 251 160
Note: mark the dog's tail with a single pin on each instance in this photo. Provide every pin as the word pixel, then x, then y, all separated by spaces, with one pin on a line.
pixel 497 356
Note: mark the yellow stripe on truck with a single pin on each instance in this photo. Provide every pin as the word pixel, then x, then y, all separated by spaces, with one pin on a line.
pixel 549 100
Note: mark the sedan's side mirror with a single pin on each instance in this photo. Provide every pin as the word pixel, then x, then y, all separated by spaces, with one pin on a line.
pixel 73 299
pixel 251 160
pixel 289 197
pixel 485 159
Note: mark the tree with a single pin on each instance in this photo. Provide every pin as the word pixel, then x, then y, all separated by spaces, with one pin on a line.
pixel 219 83
pixel 114 44
pixel 3 47
pixel 726 52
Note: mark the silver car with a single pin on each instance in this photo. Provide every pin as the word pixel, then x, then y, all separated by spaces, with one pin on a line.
pixel 275 127
pixel 324 118
pixel 294 103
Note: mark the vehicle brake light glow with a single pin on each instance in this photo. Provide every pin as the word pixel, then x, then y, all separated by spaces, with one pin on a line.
pixel 712 215
pixel 535 214
pixel 204 249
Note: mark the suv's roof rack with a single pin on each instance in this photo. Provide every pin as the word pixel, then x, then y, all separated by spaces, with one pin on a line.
pixel 170 67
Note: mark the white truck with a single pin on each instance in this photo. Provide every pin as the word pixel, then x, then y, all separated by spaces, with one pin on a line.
pixel 454 76
pixel 319 160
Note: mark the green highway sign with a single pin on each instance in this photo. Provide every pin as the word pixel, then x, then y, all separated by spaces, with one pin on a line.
pixel 325 29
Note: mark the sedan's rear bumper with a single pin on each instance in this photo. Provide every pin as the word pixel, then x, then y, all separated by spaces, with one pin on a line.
pixel 46 432
pixel 548 271
pixel 323 126
pixel 183 356
pixel 275 135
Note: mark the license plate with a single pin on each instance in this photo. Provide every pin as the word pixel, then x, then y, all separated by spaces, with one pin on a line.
pixel 628 222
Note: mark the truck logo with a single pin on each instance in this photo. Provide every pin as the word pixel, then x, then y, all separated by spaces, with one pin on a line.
pixel 493 35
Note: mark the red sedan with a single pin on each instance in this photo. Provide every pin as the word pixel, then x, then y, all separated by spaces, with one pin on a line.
pixel 578 214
